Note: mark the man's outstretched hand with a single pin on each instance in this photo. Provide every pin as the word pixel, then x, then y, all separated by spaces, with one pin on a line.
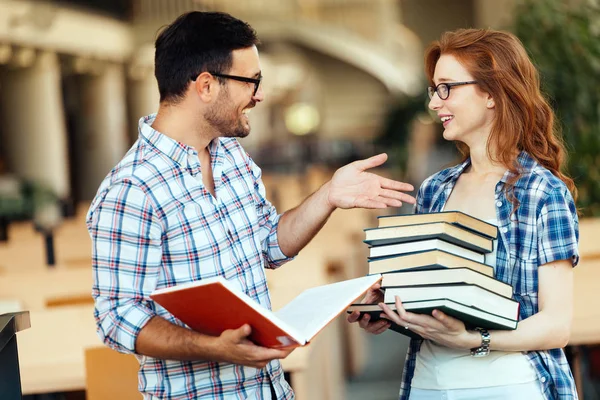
pixel 353 187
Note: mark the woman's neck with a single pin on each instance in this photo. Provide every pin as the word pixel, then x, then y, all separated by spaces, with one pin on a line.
pixel 482 164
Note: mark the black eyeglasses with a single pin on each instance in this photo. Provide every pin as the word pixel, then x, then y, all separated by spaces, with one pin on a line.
pixel 256 81
pixel 443 89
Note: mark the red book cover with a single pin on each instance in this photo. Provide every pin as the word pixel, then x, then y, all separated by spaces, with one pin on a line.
pixel 211 306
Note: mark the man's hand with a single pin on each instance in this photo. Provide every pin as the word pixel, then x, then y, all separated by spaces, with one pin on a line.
pixel 234 347
pixel 373 296
pixel 351 187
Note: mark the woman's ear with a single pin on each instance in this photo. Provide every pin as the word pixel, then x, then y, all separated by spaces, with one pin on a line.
pixel 490 102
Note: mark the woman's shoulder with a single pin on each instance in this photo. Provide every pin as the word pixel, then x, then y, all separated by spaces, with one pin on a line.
pixel 440 177
pixel 539 180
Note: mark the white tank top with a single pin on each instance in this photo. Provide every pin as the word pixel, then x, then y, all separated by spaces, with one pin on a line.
pixel 442 368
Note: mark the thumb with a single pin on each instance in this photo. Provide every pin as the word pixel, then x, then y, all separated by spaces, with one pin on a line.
pixel 242 332
pixel 440 316
pixel 371 162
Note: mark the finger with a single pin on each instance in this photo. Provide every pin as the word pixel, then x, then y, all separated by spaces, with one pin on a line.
pixel 446 320
pixel 373 295
pixel 395 185
pixel 391 314
pixel 266 354
pixel 393 194
pixel 371 162
pixel 417 320
pixel 364 321
pixel 377 326
pixel 354 316
pixel 370 204
pixel 240 334
pixel 384 328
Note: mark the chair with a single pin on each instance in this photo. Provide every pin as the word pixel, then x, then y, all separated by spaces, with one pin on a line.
pixel 110 375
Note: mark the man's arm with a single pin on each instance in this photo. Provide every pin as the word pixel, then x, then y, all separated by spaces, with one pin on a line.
pixel 164 340
pixel 350 187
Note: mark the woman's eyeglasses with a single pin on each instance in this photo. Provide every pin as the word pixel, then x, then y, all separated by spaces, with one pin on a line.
pixel 443 89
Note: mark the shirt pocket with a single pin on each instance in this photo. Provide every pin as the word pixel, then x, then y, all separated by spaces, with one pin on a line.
pixel 525 286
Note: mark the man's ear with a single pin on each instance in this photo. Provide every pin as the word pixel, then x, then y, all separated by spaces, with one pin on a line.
pixel 206 87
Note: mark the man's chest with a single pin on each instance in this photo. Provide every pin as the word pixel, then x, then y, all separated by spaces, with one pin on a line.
pixel 209 235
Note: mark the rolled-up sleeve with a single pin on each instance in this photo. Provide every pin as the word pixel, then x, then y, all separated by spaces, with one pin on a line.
pixel 558 228
pixel 126 257
pixel 268 222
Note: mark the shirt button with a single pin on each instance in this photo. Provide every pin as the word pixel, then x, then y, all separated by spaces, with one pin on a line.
pixel 499 203
pixel 543 380
pixel 504 230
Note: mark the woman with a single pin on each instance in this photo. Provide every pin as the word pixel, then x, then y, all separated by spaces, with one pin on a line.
pixel 486 92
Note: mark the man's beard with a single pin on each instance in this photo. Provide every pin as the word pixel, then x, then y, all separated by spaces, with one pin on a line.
pixel 219 117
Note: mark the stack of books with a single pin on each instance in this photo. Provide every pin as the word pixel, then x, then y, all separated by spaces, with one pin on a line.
pixel 437 261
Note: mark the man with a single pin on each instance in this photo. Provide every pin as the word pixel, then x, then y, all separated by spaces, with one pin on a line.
pixel 187 203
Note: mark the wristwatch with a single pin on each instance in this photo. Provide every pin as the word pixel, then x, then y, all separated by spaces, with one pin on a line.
pixel 484 349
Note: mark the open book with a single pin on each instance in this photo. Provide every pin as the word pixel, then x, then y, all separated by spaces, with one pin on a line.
pixel 213 305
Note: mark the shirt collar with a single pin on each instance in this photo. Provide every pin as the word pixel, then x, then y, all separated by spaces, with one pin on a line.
pixel 182 154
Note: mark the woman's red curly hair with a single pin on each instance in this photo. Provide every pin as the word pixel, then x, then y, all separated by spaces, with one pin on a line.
pixel 523 118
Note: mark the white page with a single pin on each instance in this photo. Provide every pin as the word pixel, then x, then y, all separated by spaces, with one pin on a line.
pixel 314 308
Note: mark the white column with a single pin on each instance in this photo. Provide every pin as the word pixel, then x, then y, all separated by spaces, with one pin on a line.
pixel 143 98
pixel 100 137
pixel 31 108
pixel 142 87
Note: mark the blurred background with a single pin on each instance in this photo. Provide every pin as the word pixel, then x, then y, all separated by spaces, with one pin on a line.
pixel 343 80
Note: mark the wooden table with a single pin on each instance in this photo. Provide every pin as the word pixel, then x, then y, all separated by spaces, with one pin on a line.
pixel 47 287
pixel 51 352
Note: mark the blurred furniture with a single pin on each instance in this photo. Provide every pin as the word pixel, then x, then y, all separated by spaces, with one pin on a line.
pixel 10 379
pixel 110 375
pixel 48 287
pixel 51 354
pixel 585 329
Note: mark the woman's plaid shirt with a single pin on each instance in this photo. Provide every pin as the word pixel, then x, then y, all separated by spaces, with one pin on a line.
pixel 544 228
pixel 154 225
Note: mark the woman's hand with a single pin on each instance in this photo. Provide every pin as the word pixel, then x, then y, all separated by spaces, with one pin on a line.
pixel 441 328
pixel 373 296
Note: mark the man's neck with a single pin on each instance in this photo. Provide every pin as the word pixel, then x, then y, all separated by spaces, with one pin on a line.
pixel 179 124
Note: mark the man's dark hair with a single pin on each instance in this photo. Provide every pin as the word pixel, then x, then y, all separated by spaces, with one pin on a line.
pixel 194 43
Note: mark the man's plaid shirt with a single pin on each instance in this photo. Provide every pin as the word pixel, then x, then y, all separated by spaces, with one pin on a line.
pixel 154 225
pixel 544 228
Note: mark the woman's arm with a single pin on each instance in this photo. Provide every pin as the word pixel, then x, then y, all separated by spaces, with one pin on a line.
pixel 550 328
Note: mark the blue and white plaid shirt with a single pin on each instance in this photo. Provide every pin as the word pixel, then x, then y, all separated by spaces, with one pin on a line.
pixel 153 225
pixel 544 228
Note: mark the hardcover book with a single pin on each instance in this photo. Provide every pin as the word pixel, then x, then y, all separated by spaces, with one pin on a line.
pixel 422 246
pixel 211 306
pixel 453 217
pixel 467 294
pixel 425 260
pixel 449 276
pixel 435 230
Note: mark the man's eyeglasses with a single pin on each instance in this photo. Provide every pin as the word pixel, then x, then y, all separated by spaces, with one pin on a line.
pixel 443 89
pixel 256 81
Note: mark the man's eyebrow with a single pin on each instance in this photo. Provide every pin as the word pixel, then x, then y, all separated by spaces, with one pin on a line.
pixel 258 74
